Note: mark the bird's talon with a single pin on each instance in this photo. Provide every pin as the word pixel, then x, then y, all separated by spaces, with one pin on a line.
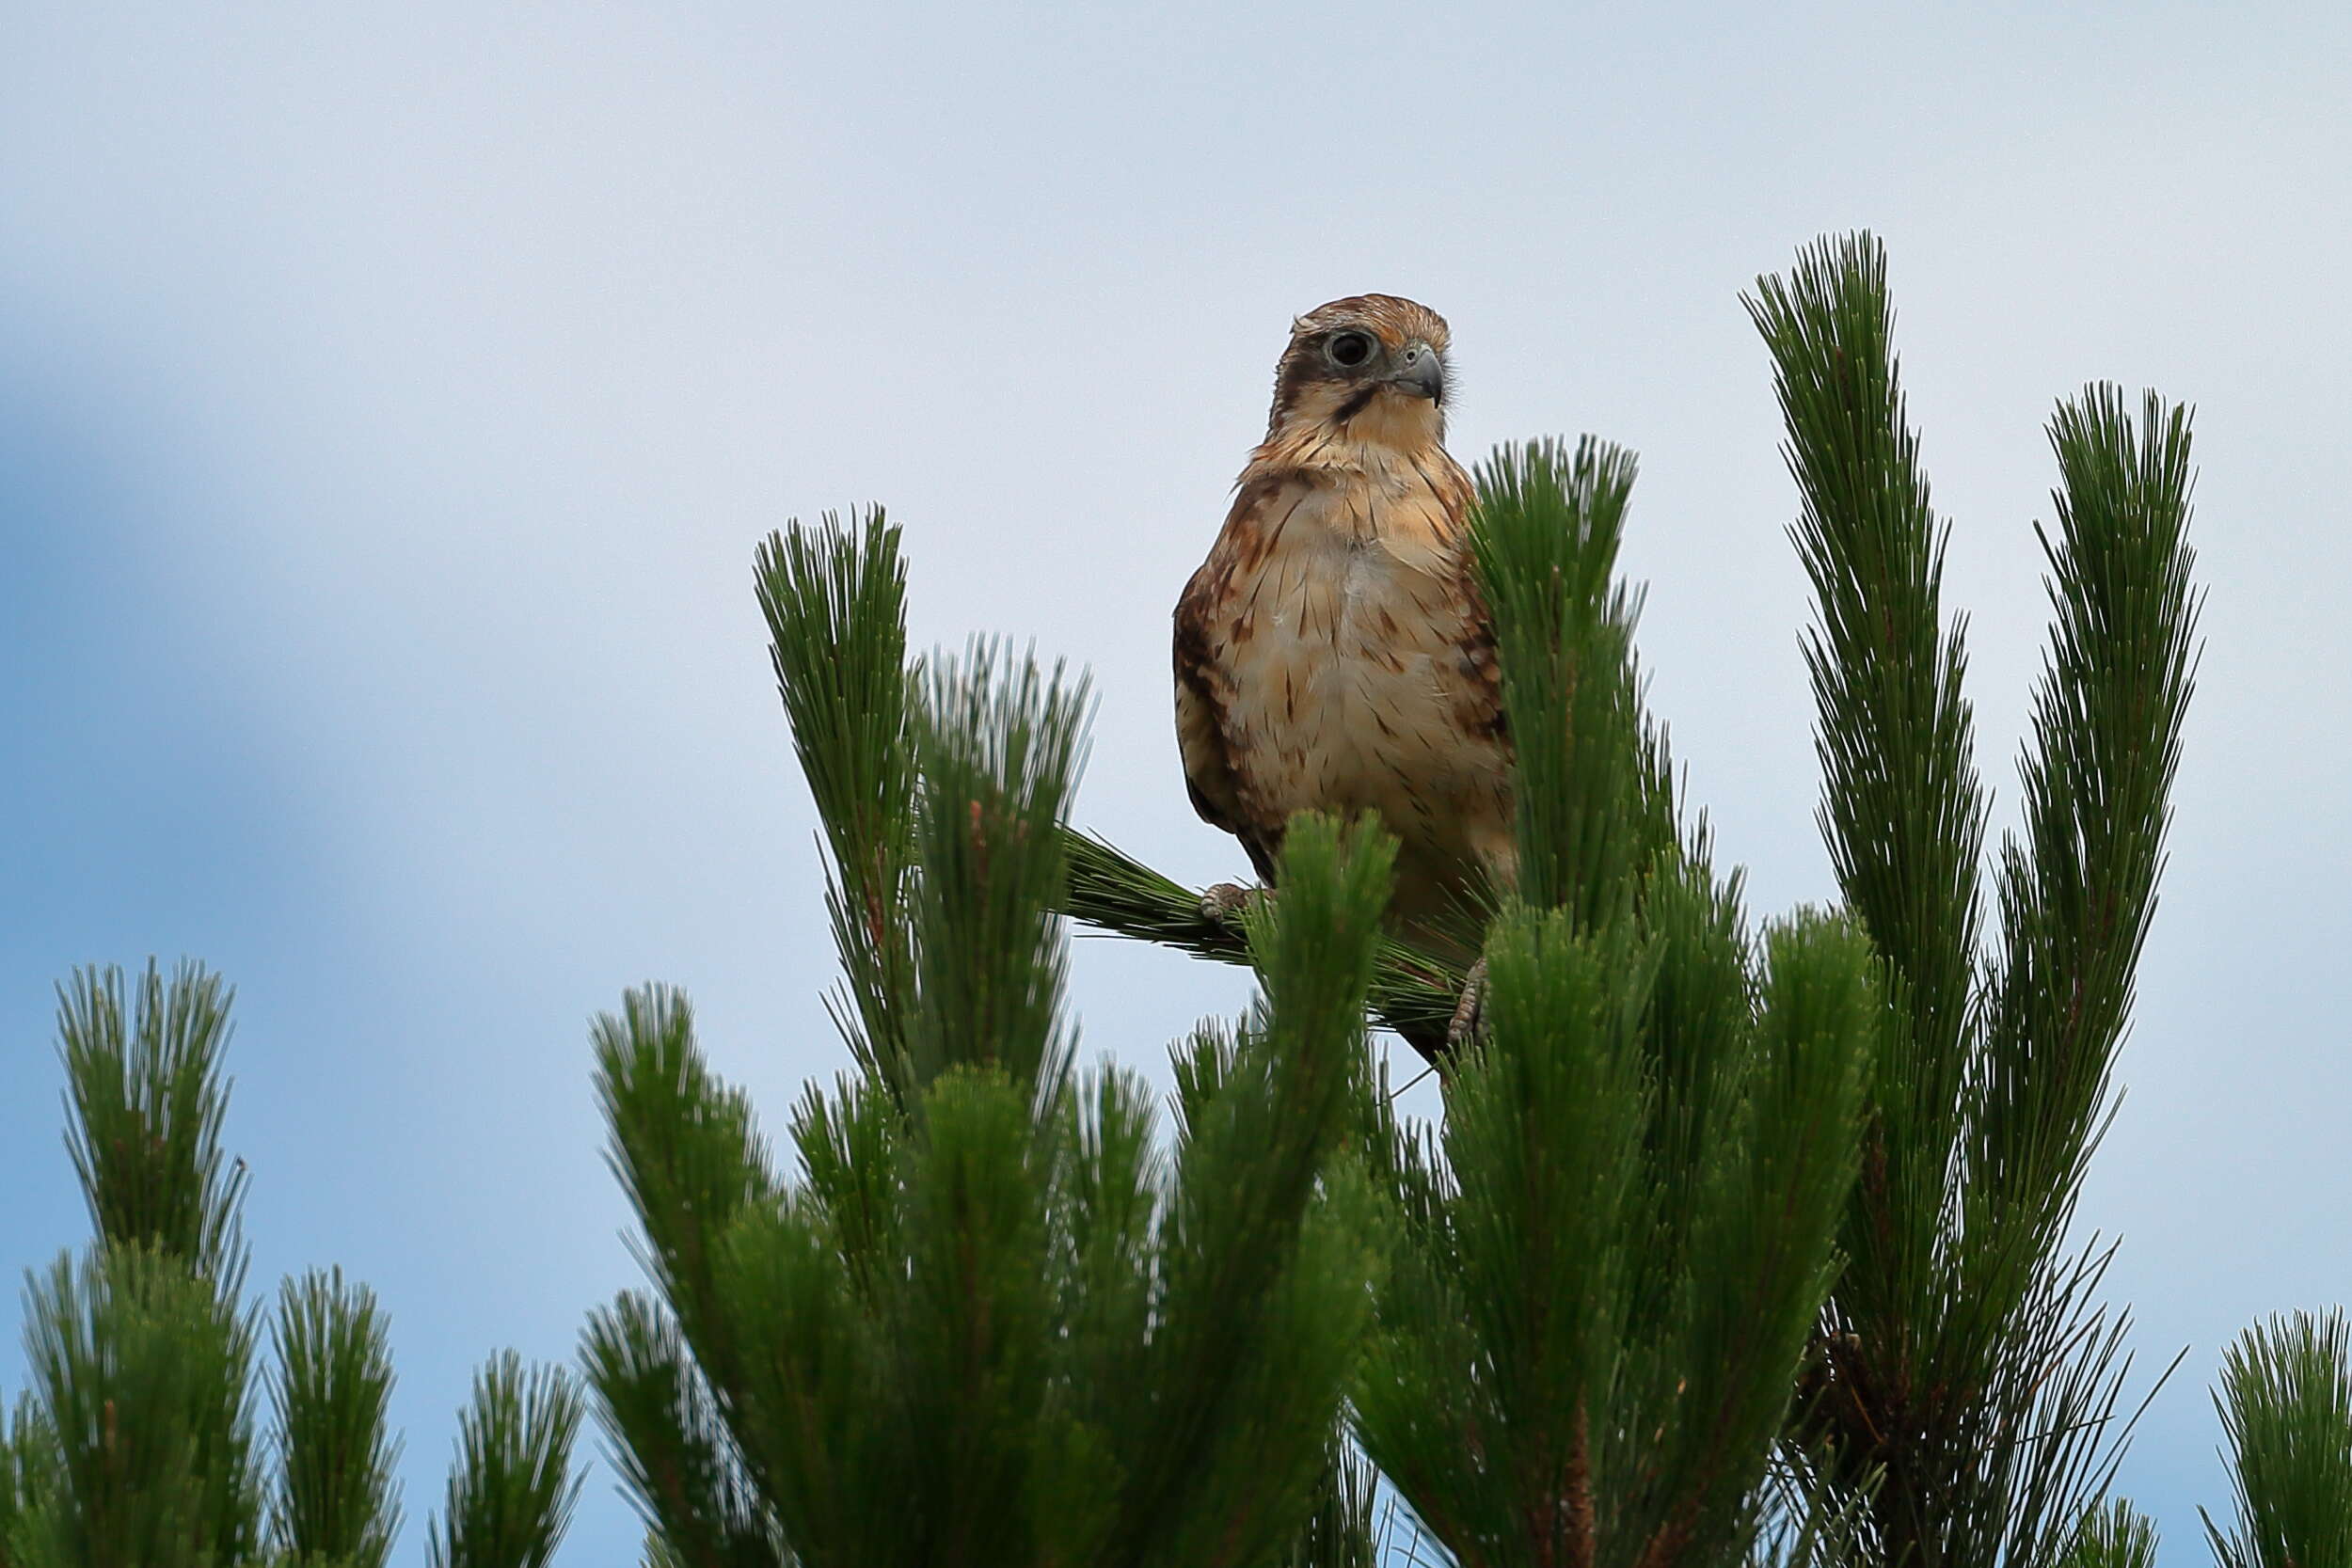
pixel 1223 904
pixel 1470 1013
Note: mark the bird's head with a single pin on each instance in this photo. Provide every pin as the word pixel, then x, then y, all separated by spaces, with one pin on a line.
pixel 1368 369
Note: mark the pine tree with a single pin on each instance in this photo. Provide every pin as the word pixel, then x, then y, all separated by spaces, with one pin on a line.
pixel 140 1441
pixel 1735 1245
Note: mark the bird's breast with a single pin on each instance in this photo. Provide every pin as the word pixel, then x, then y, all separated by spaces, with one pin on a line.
pixel 1350 689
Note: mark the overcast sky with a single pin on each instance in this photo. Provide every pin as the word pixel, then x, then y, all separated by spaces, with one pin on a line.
pixel 390 397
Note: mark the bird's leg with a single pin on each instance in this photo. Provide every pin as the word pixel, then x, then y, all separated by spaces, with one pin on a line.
pixel 1470 1014
pixel 1224 903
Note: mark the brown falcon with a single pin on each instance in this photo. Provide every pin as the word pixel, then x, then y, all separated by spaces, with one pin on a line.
pixel 1334 653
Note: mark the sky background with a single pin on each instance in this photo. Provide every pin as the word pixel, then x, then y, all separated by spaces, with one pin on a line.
pixel 390 397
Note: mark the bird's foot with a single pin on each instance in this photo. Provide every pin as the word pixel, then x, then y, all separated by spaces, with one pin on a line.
pixel 1223 904
pixel 1470 1013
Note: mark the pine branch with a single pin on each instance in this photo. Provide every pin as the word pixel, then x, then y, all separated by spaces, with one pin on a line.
pixel 1260 1301
pixel 147 1103
pixel 338 1497
pixel 685 1150
pixel 2114 1535
pixel 2078 892
pixel 141 1373
pixel 997 750
pixel 675 1454
pixel 1971 1381
pixel 1412 992
pixel 511 1491
pixel 1902 808
pixel 835 606
pixel 1545 534
pixel 1602 1285
pixel 2286 1410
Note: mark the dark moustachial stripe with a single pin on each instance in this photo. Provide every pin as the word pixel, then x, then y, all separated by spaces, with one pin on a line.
pixel 1357 403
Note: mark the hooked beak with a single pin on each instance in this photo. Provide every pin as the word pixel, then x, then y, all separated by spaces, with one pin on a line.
pixel 1420 372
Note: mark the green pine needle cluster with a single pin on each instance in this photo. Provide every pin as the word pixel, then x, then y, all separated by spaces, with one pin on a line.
pixel 141 1440
pixel 1545 534
pixel 2114 1535
pixel 331 1393
pixel 2286 1412
pixel 511 1492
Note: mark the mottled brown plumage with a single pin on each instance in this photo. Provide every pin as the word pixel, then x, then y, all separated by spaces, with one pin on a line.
pixel 1332 652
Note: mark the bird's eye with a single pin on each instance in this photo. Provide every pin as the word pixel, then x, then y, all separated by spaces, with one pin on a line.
pixel 1349 349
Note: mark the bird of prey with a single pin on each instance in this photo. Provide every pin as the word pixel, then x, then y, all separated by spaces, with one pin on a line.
pixel 1334 653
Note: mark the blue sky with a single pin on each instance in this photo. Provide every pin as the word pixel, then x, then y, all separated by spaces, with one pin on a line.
pixel 390 397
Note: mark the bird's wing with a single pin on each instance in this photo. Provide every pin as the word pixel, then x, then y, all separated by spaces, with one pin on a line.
pixel 1209 775
pixel 1203 693
pixel 1482 710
